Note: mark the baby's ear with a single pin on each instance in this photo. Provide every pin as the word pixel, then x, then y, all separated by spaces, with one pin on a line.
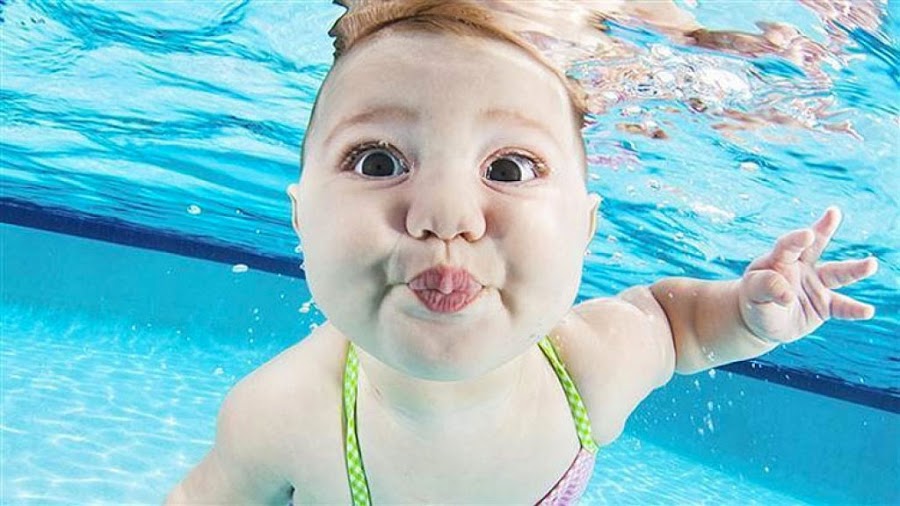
pixel 293 191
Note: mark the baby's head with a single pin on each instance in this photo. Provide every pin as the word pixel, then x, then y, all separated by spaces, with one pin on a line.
pixel 441 139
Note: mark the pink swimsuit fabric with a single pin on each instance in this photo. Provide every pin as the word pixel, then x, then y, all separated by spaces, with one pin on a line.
pixel 572 485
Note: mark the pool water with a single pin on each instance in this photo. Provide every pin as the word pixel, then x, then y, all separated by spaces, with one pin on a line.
pixel 110 412
pixel 110 390
pixel 148 261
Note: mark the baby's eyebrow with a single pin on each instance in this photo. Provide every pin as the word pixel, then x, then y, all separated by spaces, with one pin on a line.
pixel 513 116
pixel 390 112
pixel 400 113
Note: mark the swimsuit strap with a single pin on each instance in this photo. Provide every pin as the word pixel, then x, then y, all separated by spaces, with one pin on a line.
pixel 576 405
pixel 356 474
pixel 359 486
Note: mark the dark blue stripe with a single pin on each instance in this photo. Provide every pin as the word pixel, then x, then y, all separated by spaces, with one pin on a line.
pixel 887 400
pixel 26 214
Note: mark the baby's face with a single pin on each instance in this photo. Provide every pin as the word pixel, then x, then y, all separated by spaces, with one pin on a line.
pixel 431 150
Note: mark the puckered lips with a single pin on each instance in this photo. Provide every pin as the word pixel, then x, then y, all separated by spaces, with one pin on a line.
pixel 445 289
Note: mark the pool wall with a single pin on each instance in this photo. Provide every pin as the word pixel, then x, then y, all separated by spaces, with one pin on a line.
pixel 68 273
pixel 788 439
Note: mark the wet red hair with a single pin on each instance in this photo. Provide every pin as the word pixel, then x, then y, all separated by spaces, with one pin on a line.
pixel 472 18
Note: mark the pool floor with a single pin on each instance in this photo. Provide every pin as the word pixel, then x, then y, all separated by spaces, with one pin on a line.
pixel 98 411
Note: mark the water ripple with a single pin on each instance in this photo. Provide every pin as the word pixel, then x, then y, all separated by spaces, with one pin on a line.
pixel 139 112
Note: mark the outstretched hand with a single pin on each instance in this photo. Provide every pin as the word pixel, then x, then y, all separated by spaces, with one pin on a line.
pixel 787 294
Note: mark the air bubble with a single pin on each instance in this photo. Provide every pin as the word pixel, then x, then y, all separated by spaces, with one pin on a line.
pixel 194 209
pixel 239 268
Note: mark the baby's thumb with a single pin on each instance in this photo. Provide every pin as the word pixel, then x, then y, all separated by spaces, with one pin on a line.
pixel 768 286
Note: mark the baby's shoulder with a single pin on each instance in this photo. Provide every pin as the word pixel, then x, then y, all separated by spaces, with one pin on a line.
pixel 613 351
pixel 308 370
pixel 297 385
pixel 293 403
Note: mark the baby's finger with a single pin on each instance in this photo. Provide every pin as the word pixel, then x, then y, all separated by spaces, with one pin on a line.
pixel 824 230
pixel 768 286
pixel 791 246
pixel 838 274
pixel 846 308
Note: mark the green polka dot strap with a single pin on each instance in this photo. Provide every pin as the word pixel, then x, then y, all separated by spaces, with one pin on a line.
pixel 359 486
pixel 576 405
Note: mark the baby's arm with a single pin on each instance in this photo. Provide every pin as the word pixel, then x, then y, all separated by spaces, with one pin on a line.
pixel 783 296
pixel 237 469
pixel 637 339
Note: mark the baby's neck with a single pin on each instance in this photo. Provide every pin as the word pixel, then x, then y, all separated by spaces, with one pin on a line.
pixel 436 407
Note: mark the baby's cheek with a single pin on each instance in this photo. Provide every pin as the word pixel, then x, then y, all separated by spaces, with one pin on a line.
pixel 553 263
pixel 346 251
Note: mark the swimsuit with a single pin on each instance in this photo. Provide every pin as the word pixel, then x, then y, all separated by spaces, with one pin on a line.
pixel 566 491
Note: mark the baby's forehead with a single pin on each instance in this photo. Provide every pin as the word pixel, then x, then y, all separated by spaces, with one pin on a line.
pixel 470 57
pixel 435 73
pixel 395 78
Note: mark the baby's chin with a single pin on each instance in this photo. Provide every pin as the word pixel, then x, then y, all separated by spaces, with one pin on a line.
pixel 437 347
pixel 449 362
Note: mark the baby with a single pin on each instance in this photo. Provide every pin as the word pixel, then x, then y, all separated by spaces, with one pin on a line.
pixel 444 217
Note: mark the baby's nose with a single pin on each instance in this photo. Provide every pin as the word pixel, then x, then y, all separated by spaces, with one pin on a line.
pixel 446 211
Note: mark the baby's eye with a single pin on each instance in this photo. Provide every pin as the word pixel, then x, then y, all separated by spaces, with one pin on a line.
pixel 377 162
pixel 514 168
